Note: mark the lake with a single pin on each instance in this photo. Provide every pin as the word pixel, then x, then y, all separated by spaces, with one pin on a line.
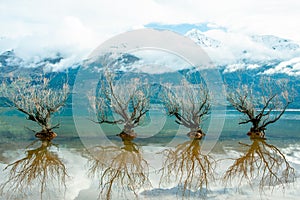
pixel 160 163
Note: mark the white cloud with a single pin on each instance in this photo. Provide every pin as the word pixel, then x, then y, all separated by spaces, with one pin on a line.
pixel 264 17
pixel 77 26
pixel 238 47
pixel 158 61
pixel 63 64
pixel 36 27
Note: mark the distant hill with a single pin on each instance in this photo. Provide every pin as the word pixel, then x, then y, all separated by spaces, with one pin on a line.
pixel 258 56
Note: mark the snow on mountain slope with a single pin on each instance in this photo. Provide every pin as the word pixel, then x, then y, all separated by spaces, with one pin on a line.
pixel 231 50
pixel 276 43
pixel 9 61
pixel 199 38
pixel 290 67
pixel 238 51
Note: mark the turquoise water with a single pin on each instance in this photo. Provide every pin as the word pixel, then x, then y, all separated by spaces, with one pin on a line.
pixel 77 154
pixel 287 129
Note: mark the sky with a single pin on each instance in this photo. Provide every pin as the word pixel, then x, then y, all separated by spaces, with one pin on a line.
pixel 36 27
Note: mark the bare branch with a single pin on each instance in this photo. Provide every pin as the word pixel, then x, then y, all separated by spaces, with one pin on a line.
pixel 36 98
pixel 189 103
pixel 277 117
pixel 262 108
pixel 129 99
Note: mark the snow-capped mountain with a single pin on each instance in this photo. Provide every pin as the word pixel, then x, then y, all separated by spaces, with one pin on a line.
pixel 230 51
pixel 240 52
pixel 199 38
pixel 276 43
pixel 9 62
pixel 245 63
pixel 290 67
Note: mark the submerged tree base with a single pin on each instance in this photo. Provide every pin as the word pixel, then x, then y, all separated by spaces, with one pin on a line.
pixel 256 135
pixel 196 134
pixel 127 135
pixel 46 135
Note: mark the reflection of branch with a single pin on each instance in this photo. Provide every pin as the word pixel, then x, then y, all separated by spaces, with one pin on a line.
pixel 117 167
pixel 40 165
pixel 263 161
pixel 191 168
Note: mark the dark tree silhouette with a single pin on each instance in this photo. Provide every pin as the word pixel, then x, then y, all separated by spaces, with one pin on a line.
pixel 186 164
pixel 263 107
pixel 36 99
pixel 128 99
pixel 262 162
pixel 189 103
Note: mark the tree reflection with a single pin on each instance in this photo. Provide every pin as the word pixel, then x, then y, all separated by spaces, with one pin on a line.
pixel 186 164
pixel 119 167
pixel 40 167
pixel 263 163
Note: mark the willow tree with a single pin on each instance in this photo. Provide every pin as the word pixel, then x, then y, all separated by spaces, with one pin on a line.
pixel 186 164
pixel 190 104
pixel 38 100
pixel 123 102
pixel 261 107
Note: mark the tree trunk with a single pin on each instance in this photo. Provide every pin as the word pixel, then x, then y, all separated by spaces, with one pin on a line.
pixel 46 134
pixel 196 133
pixel 127 134
pixel 256 133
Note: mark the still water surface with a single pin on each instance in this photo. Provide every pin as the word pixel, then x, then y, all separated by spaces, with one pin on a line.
pixel 166 165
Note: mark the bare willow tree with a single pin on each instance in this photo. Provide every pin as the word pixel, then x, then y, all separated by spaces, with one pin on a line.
pixel 119 169
pixel 39 168
pixel 187 165
pixel 261 108
pixel 123 101
pixel 189 103
pixel 262 162
pixel 35 98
